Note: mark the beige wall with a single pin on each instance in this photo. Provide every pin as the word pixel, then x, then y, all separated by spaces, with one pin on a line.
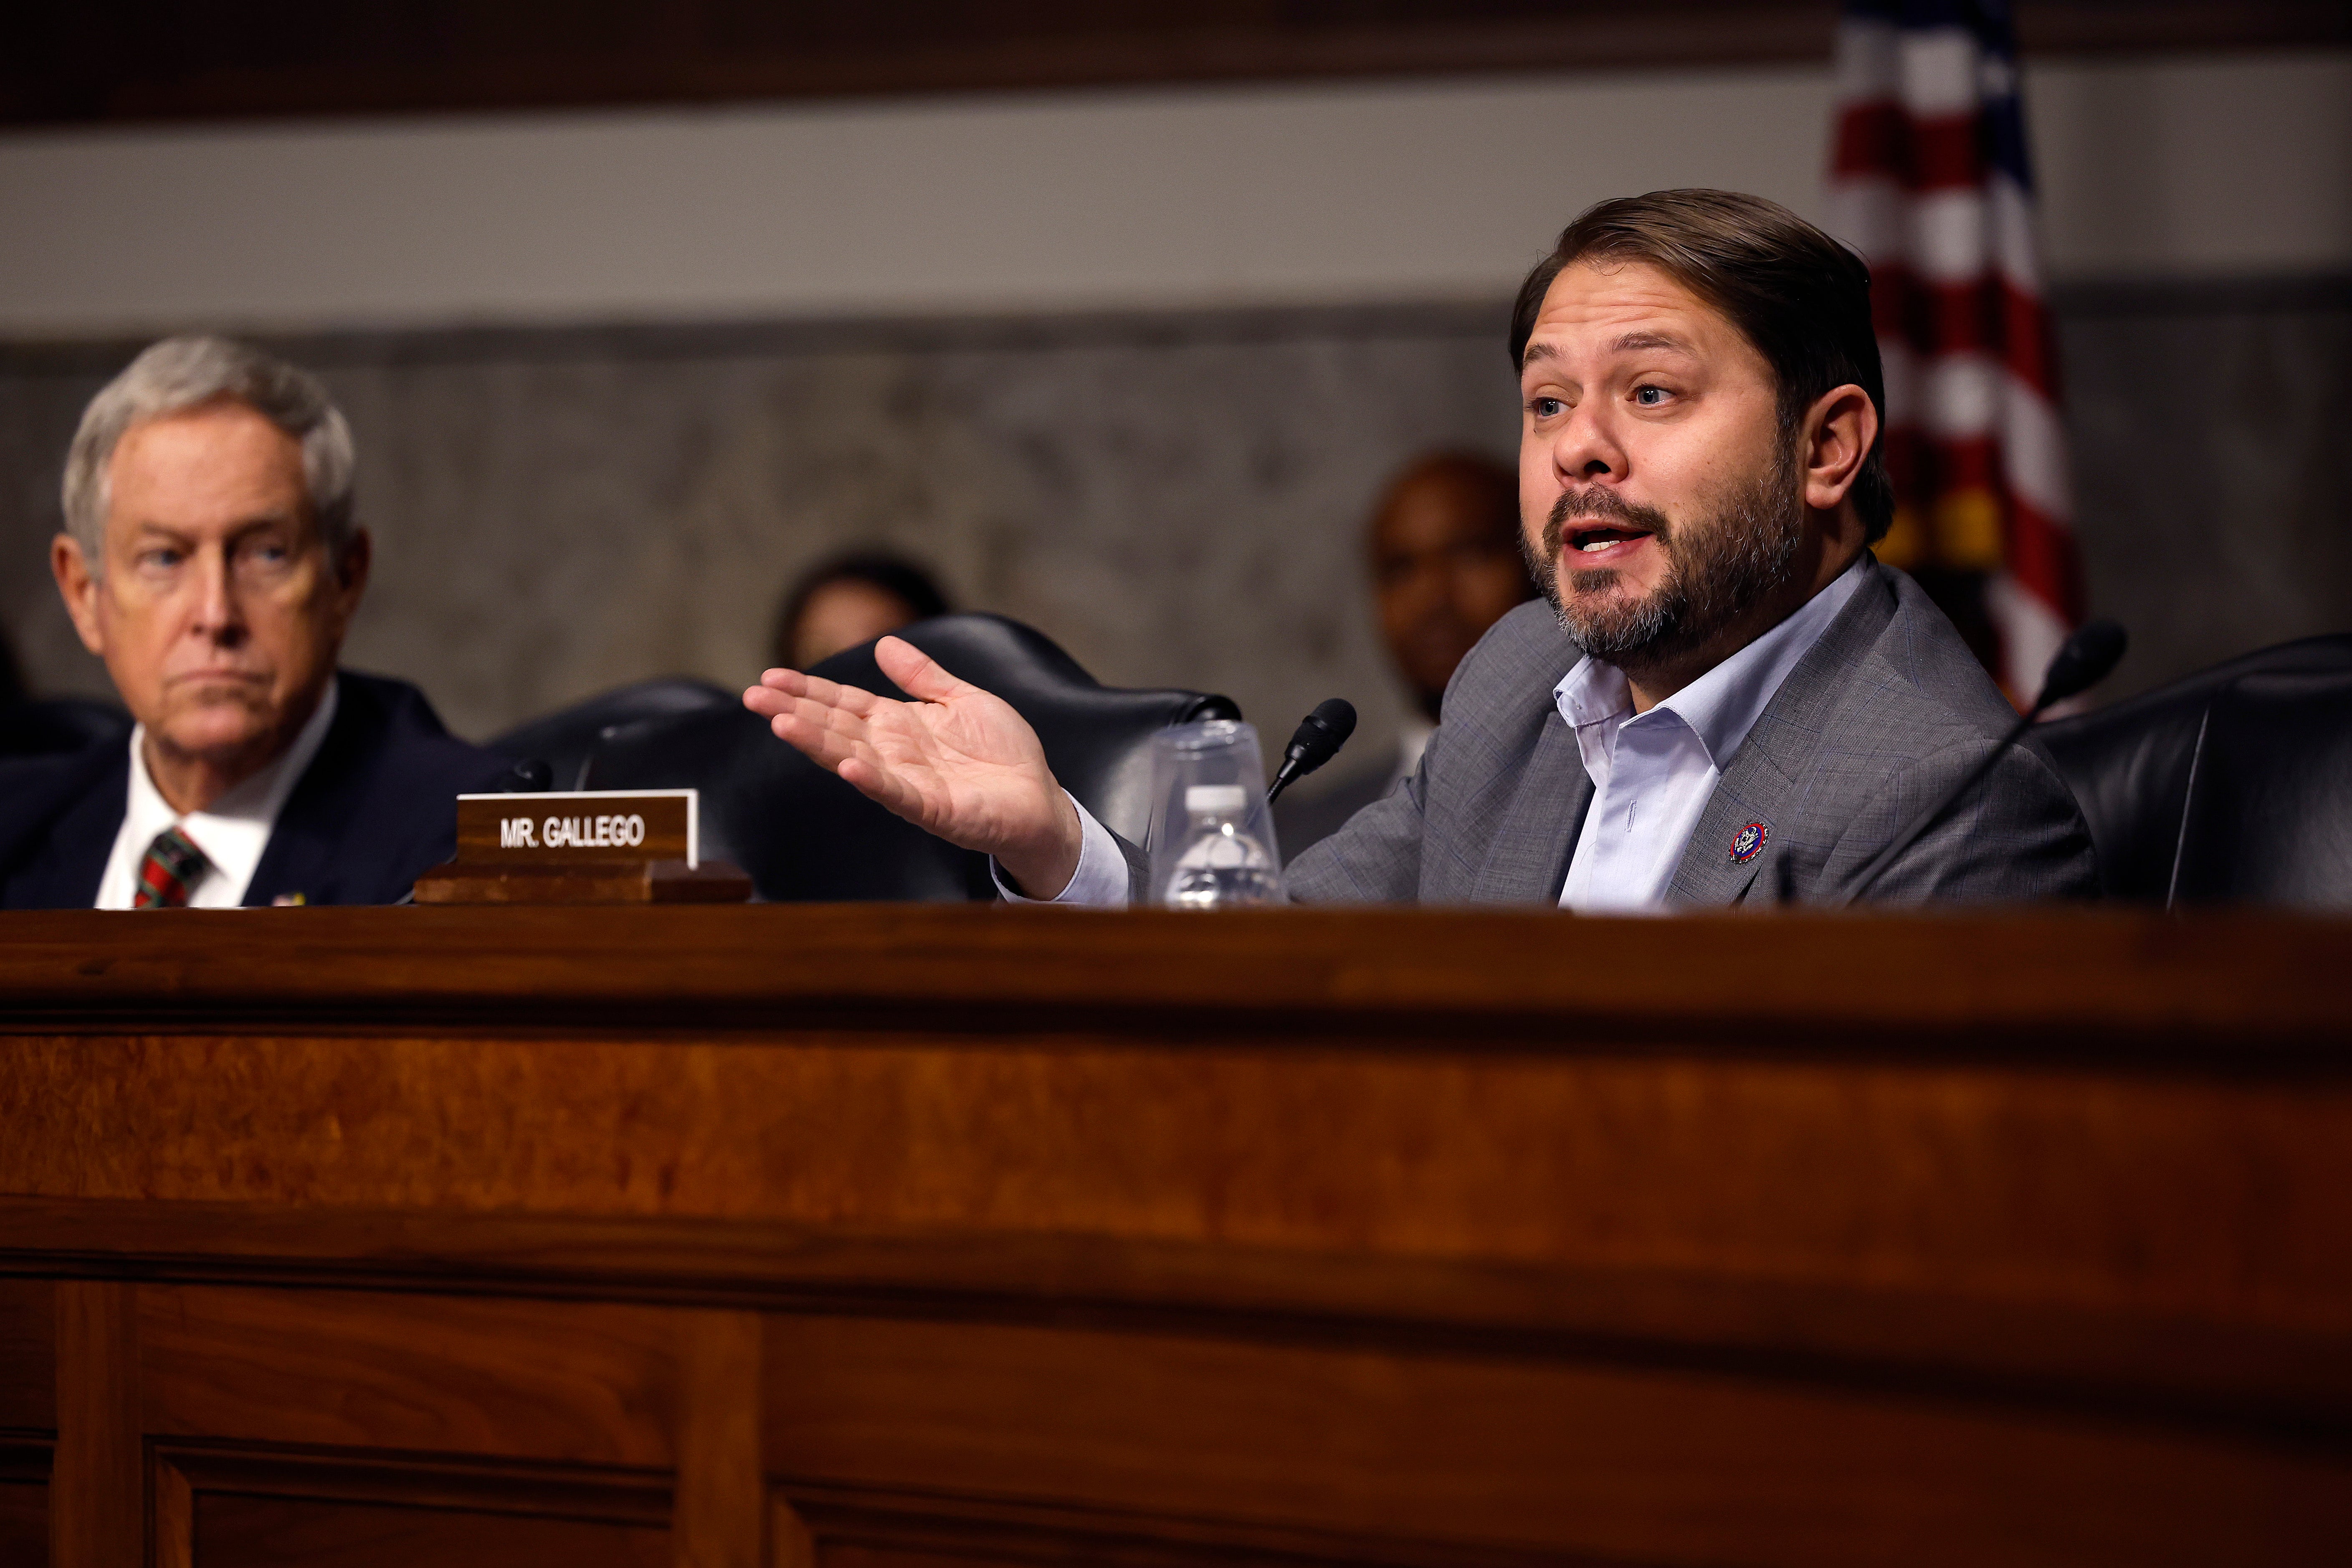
pixel 1218 196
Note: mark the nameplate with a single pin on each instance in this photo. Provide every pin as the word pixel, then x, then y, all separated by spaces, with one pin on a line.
pixel 579 828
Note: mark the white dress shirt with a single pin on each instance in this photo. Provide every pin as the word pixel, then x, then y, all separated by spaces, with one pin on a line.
pixel 232 831
pixel 1652 773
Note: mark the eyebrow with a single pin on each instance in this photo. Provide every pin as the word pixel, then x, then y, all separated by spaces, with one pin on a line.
pixel 1632 341
pixel 1630 344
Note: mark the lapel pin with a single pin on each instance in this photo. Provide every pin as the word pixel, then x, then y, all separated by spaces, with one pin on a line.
pixel 1748 842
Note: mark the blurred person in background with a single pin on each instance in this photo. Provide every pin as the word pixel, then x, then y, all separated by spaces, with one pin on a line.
pixel 1446 565
pixel 851 600
pixel 211 559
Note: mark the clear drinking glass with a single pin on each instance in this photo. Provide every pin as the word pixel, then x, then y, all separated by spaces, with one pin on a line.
pixel 1211 838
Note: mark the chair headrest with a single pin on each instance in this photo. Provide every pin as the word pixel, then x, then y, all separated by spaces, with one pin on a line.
pixel 2128 763
pixel 2269 818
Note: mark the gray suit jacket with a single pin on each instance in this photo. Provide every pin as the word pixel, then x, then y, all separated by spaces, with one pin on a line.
pixel 1885 712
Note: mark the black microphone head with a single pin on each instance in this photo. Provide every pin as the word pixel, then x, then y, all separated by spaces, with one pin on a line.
pixel 1321 734
pixel 528 777
pixel 2084 660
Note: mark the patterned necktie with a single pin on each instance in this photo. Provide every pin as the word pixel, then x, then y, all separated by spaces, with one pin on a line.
pixel 172 864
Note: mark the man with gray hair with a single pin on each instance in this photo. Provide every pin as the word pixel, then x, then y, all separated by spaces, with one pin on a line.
pixel 210 558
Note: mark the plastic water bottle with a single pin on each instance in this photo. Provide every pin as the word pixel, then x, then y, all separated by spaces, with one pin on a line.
pixel 1222 864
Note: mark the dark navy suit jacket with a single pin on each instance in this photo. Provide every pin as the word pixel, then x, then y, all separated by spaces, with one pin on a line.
pixel 375 809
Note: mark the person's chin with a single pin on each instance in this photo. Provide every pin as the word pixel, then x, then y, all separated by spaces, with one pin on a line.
pixel 221 730
pixel 1601 613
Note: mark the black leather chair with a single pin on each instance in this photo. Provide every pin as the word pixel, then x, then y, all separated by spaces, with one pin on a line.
pixel 2269 814
pixel 59 723
pixel 2128 764
pixel 564 738
pixel 804 835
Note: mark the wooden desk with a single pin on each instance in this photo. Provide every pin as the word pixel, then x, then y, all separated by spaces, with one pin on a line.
pixel 936 1236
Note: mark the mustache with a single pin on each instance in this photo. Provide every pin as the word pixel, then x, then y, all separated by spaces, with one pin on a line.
pixel 1600 505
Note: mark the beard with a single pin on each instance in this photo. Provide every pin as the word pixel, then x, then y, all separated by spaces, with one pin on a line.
pixel 1718 567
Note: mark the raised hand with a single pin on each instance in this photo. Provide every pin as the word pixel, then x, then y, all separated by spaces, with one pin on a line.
pixel 956 761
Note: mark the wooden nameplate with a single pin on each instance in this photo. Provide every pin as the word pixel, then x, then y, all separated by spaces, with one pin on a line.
pixel 586 846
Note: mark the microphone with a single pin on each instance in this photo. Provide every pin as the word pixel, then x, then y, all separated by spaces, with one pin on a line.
pixel 1318 738
pixel 2080 663
pixel 528 777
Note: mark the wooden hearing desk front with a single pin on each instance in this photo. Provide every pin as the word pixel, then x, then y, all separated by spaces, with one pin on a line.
pixel 936 1236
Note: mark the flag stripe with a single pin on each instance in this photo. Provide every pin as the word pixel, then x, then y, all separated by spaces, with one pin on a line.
pixel 1930 180
pixel 1986 316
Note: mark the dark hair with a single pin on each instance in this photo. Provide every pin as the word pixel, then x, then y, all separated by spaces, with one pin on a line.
pixel 893 574
pixel 1798 295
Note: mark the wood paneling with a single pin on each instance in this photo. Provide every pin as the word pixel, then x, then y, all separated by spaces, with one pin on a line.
pixel 126 59
pixel 917 1237
pixel 584 1382
pixel 28 1370
pixel 281 1533
pixel 722 1490
pixel 97 1476
pixel 1615 1462
pixel 23 1498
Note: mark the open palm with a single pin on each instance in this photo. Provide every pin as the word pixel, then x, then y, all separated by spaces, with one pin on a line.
pixel 956 761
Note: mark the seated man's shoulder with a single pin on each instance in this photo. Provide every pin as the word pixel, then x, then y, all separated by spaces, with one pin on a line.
pixel 1902 711
pixel 59 814
pixel 1918 681
pixel 377 807
pixel 389 746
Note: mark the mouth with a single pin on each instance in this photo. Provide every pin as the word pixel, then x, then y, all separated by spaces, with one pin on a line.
pixel 218 682
pixel 1600 544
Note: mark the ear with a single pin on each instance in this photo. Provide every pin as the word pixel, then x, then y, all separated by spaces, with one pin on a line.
pixel 79 587
pixel 1839 429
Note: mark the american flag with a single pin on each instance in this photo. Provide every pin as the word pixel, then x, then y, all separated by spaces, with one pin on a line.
pixel 1929 181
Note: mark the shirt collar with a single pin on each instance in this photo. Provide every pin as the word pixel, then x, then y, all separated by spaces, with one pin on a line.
pixel 1722 705
pixel 234 830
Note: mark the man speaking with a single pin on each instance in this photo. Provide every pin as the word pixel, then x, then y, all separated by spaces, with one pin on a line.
pixel 1725 690
pixel 210 558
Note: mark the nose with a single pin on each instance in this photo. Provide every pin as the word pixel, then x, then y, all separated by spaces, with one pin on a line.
pixel 1585 448
pixel 219 615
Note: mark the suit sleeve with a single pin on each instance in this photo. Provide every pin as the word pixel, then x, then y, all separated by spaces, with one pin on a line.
pixel 1374 857
pixel 2017 837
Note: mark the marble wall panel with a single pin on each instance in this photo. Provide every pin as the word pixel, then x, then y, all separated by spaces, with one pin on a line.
pixel 1179 501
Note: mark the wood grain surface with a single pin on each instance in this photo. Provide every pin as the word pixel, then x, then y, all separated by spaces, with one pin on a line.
pixel 905 1235
pixel 2099 984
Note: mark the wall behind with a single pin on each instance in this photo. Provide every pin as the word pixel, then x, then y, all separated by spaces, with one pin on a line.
pixel 1303 194
pixel 1173 484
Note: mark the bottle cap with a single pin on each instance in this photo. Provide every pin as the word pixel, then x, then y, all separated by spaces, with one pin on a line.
pixel 1203 798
